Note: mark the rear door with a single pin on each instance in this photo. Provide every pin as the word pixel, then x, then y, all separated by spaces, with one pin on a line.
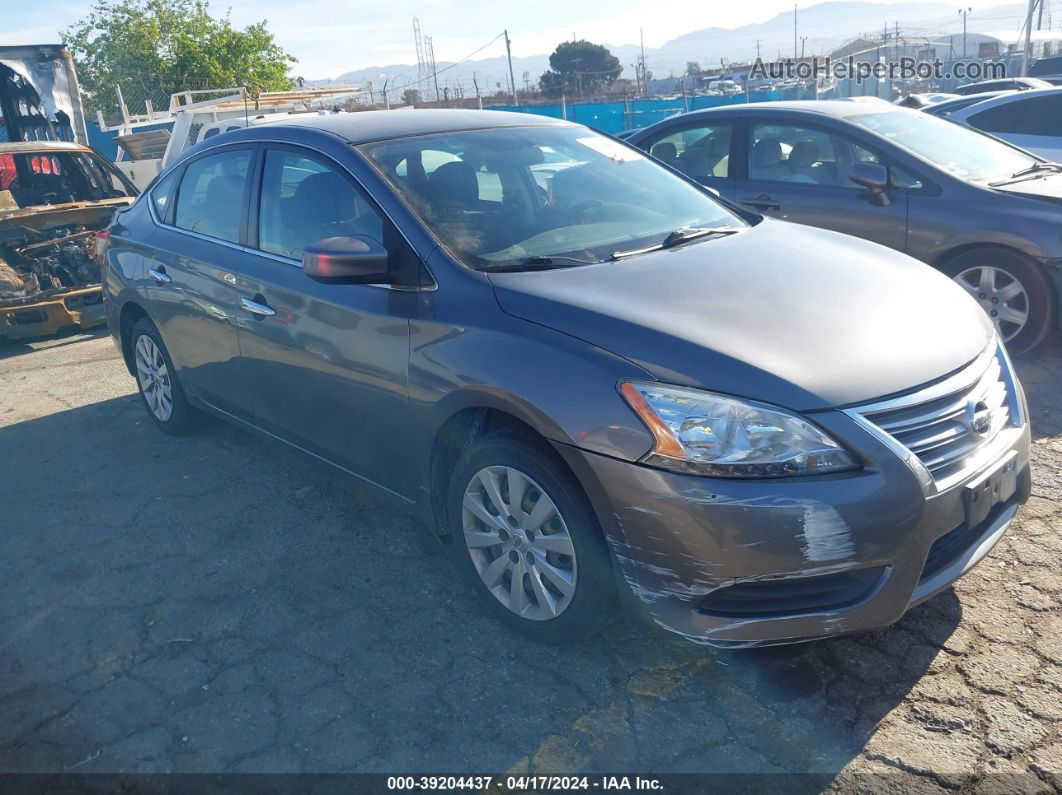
pixel 192 285
pixel 798 172
pixel 327 362
pixel 699 150
pixel 1033 123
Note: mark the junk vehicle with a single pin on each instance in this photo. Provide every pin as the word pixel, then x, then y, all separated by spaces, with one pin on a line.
pixel 54 198
pixel 55 195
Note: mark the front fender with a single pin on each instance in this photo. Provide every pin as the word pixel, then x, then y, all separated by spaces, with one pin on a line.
pixel 563 388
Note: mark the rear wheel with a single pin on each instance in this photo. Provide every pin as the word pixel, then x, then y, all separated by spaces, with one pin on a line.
pixel 160 389
pixel 527 540
pixel 1013 291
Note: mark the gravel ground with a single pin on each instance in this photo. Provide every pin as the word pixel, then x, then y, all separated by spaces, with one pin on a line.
pixel 219 603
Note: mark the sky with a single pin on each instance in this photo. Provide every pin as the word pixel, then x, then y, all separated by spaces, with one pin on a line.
pixel 330 38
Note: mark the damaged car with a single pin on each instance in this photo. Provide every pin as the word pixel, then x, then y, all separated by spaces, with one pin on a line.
pixel 54 199
pixel 593 380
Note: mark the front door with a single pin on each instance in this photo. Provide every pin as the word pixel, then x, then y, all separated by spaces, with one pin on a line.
pixel 192 293
pixel 327 362
pixel 798 173
pixel 701 151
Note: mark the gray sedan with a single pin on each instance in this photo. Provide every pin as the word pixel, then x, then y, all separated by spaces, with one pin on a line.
pixel 985 213
pixel 592 379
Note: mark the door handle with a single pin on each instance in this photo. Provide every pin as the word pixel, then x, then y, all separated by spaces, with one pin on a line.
pixel 255 308
pixel 160 275
pixel 761 202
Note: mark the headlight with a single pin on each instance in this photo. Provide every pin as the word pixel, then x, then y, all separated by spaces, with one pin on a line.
pixel 703 433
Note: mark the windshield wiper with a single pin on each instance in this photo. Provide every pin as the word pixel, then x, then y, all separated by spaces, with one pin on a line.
pixel 679 236
pixel 1035 168
pixel 539 264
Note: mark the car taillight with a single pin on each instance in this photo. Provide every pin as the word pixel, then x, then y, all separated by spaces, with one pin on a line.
pixel 103 239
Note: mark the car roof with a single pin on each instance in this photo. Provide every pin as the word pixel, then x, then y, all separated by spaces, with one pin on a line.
pixel 1005 99
pixel 969 99
pixel 41 146
pixel 838 108
pixel 377 125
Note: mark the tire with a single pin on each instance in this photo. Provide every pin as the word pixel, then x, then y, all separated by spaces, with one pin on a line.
pixel 174 415
pixel 1006 272
pixel 550 614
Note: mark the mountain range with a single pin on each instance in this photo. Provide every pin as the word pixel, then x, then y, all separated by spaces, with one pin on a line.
pixel 824 27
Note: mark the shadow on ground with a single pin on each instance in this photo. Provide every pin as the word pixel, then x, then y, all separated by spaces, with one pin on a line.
pixel 218 603
pixel 10 348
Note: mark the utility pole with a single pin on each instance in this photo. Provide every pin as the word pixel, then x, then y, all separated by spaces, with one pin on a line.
pixel 964 12
pixel 1028 39
pixel 641 63
pixel 479 99
pixel 387 102
pixel 512 80
pixel 794 31
pixel 757 49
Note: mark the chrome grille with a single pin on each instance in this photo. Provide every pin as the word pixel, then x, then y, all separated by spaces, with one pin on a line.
pixel 947 427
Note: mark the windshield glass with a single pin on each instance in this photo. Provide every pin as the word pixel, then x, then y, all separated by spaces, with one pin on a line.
pixel 958 150
pixel 32 179
pixel 503 196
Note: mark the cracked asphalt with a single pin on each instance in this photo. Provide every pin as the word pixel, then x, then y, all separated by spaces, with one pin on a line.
pixel 219 603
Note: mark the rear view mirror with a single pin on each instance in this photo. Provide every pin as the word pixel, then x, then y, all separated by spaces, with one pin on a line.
pixel 872 176
pixel 346 260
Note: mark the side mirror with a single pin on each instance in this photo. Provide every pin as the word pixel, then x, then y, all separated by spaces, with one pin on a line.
pixel 874 177
pixel 346 260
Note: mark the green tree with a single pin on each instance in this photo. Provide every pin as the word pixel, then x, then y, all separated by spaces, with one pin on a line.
pixel 693 69
pixel 410 96
pixel 153 48
pixel 579 67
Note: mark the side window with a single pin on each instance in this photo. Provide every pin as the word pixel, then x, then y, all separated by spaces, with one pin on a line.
pixel 162 193
pixel 1034 116
pixel 697 152
pixel 210 198
pixel 785 153
pixel 902 178
pixel 305 200
pixel 1000 119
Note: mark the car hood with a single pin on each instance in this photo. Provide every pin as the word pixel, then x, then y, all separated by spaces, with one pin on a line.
pixel 780 313
pixel 93 214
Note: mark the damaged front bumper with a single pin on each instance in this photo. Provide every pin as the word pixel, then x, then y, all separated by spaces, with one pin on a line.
pixel 47 312
pixel 749 563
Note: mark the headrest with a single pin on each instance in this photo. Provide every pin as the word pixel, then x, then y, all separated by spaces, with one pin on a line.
pixel 767 153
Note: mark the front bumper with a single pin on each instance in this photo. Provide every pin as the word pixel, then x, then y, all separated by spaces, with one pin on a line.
pixel 860 539
pixel 47 313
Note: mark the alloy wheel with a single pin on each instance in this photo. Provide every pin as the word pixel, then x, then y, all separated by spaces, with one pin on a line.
pixel 154 378
pixel 1001 296
pixel 519 543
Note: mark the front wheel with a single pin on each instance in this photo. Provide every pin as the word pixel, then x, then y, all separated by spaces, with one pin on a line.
pixel 527 540
pixel 1014 292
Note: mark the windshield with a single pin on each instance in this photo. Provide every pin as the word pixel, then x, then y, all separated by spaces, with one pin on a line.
pixel 33 179
pixel 505 196
pixel 960 151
